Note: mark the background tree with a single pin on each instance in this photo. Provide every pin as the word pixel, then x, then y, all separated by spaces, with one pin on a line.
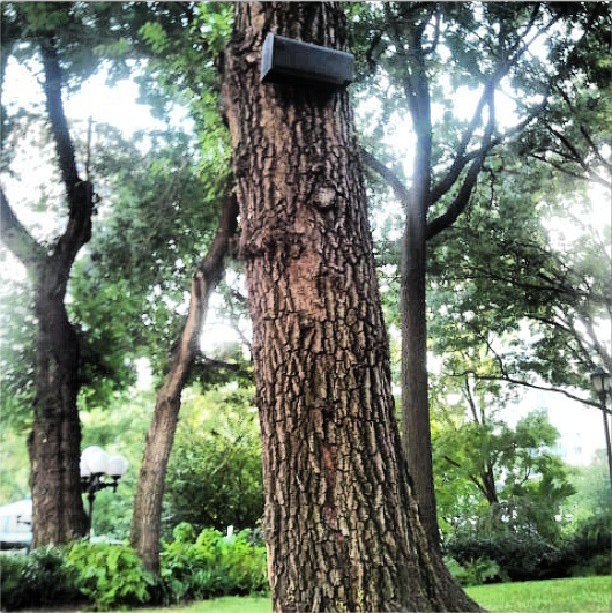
pixel 54 442
pixel 488 48
pixel 179 45
pixel 501 479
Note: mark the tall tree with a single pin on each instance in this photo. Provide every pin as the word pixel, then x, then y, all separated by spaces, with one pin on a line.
pixel 54 442
pixel 65 39
pixel 486 46
pixel 340 521
pixel 181 54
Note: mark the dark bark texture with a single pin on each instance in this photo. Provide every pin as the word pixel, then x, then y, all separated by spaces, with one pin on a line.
pixel 54 443
pixel 416 421
pixel 146 521
pixel 340 521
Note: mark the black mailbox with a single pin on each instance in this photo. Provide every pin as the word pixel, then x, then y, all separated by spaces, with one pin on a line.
pixel 288 60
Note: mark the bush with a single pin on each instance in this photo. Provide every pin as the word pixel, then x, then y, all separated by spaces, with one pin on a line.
pixel 111 575
pixel 212 565
pixel 476 572
pixel 37 579
pixel 520 558
pixel 588 549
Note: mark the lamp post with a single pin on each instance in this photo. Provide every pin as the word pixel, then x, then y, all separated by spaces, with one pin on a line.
pixel 601 382
pixel 96 467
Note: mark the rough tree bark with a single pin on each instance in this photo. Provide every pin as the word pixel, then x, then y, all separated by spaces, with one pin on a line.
pixel 146 521
pixel 341 521
pixel 54 443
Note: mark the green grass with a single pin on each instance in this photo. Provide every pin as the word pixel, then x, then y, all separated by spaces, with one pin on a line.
pixel 579 595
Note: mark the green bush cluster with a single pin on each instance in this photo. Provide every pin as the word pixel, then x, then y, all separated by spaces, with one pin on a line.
pixel 519 558
pixel 476 572
pixel 37 579
pixel 522 557
pixel 212 564
pixel 109 575
pixel 112 576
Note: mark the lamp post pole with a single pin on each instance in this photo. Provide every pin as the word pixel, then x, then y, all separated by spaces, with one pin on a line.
pixel 95 466
pixel 601 382
pixel 607 435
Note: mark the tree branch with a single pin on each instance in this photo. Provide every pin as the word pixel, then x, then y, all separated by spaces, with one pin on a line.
pixel 473 479
pixel 57 117
pixel 461 160
pixel 386 173
pixel 79 193
pixel 16 238
pixel 370 52
pixel 587 137
pixel 457 206
pixel 512 381
pixel 208 273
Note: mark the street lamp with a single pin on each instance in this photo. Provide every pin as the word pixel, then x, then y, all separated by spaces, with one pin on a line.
pixel 96 466
pixel 600 380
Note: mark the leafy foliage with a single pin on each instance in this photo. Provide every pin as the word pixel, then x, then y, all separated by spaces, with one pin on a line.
pixel 473 572
pixel 213 565
pixel 214 473
pixel 37 579
pixel 111 575
pixel 521 558
pixel 521 493
pixel 17 357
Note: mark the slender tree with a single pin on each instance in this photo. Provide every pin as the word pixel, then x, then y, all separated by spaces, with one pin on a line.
pixel 180 54
pixel 341 521
pixel 487 45
pixel 146 522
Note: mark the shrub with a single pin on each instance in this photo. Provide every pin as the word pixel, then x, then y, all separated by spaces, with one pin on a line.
pixel 37 579
pixel 475 572
pixel 111 575
pixel 588 550
pixel 520 558
pixel 212 565
pixel 597 565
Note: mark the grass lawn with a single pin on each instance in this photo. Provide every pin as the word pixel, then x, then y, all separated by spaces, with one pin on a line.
pixel 579 595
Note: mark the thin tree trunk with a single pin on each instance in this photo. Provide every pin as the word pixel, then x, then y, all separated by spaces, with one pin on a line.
pixel 488 484
pixel 54 442
pixel 146 521
pixel 415 401
pixel 340 520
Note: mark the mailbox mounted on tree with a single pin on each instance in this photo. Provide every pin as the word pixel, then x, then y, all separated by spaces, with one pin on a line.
pixel 285 60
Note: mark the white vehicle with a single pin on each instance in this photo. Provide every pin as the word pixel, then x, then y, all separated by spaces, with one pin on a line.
pixel 16 525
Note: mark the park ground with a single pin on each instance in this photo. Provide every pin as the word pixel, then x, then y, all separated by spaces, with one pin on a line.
pixel 576 595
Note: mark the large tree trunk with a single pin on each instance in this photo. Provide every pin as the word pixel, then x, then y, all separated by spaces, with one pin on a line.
pixel 54 443
pixel 341 522
pixel 146 521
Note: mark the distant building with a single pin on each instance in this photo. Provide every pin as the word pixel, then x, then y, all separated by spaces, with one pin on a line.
pixel 580 427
